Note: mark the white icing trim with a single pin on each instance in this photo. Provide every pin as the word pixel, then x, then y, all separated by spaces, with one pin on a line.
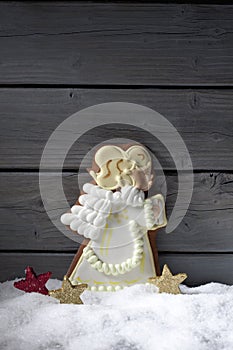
pixel 123 267
pixel 102 288
pixel 149 214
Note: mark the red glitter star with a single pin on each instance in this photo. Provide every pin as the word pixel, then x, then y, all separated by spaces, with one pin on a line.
pixel 33 283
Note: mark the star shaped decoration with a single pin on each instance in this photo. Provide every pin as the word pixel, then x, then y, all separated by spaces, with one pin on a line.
pixel 33 283
pixel 69 294
pixel 167 283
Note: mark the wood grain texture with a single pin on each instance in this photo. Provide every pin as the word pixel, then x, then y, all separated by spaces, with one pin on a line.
pixel 116 43
pixel 207 226
pixel 29 116
pixel 169 57
pixel 201 268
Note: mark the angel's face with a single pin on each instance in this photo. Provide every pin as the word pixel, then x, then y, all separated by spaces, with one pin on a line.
pixel 142 179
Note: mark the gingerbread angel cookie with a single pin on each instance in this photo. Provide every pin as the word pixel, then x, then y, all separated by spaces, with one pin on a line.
pixel 116 218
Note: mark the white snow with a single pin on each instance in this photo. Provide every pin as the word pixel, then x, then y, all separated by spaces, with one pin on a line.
pixel 136 318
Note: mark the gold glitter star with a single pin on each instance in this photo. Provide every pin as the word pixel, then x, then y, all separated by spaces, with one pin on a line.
pixel 68 294
pixel 167 283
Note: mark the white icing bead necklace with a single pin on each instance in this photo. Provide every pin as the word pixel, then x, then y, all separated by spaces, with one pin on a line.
pixel 125 266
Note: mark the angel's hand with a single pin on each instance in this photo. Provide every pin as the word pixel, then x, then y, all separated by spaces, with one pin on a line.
pixel 131 195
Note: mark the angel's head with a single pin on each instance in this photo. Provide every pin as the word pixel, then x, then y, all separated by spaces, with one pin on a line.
pixel 119 167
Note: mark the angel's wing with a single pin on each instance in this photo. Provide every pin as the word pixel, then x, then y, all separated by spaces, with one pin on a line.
pixel 154 212
pixel 89 218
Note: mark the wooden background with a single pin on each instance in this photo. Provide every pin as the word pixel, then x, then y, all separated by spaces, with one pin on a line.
pixel 59 57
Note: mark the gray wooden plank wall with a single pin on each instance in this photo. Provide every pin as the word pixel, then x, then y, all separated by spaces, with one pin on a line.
pixel 59 57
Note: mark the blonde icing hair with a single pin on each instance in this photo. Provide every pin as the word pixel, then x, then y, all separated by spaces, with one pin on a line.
pixel 117 166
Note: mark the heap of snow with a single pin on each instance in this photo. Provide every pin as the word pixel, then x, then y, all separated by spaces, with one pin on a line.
pixel 136 318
